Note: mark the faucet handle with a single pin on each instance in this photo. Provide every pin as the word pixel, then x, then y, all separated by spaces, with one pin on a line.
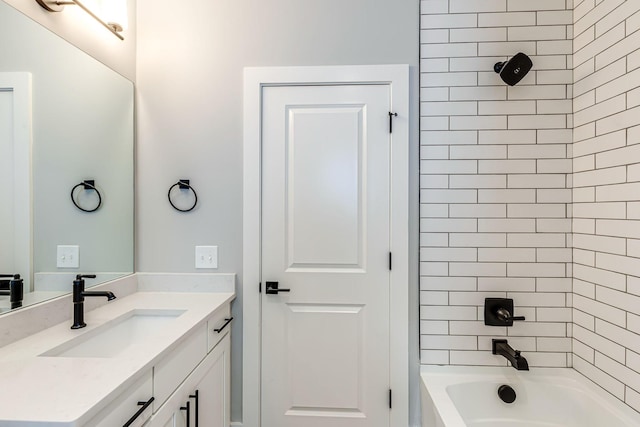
pixel 504 315
pixel 497 312
pixel 85 276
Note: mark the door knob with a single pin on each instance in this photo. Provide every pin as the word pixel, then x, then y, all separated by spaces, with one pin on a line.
pixel 272 288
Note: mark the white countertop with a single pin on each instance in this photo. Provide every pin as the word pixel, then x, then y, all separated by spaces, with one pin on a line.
pixel 38 390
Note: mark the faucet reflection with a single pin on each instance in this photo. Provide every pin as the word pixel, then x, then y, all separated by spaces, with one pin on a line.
pixel 15 290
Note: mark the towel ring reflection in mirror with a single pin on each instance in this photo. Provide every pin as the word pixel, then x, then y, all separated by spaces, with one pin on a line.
pixel 88 184
pixel 183 184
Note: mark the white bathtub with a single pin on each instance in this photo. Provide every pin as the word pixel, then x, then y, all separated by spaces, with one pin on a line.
pixel 468 396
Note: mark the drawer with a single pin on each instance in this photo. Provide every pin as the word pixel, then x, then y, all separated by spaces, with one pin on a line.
pixel 169 373
pixel 218 326
pixel 121 410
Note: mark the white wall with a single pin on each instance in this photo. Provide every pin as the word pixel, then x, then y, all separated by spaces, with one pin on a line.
pixel 606 180
pixel 486 190
pixel 495 180
pixel 190 62
pixel 79 29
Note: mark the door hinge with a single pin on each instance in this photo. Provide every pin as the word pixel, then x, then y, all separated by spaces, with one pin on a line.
pixel 391 116
pixel 260 287
pixel 390 261
pixel 390 399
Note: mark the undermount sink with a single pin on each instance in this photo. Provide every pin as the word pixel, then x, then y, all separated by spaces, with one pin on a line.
pixel 116 337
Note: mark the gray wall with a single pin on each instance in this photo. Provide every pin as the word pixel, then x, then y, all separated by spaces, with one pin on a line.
pixel 189 76
pixel 82 115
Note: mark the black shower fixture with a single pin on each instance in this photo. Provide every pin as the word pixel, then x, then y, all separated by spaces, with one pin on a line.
pixel 514 70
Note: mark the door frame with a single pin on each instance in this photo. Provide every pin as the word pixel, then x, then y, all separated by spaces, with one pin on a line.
pixel 19 83
pixel 397 77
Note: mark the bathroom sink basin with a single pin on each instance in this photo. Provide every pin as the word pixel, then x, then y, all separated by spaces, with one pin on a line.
pixel 116 337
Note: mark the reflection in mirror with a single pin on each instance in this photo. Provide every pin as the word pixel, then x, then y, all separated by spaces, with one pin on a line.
pixel 65 118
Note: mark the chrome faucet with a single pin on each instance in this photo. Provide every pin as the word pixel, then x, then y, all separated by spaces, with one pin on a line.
pixel 15 290
pixel 502 348
pixel 78 299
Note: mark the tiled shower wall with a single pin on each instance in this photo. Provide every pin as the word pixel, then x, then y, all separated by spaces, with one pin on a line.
pixel 495 179
pixel 606 195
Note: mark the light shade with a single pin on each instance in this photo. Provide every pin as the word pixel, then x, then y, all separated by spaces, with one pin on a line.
pixel 112 14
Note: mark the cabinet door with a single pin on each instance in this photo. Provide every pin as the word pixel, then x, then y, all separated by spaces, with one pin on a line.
pixel 214 389
pixel 211 379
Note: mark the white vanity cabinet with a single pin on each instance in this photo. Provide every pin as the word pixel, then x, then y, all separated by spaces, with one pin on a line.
pixel 175 341
pixel 201 398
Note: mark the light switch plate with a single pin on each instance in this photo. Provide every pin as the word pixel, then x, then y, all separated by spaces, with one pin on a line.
pixel 206 257
pixel 68 256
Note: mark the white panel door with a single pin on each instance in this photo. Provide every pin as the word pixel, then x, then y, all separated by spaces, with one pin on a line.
pixel 325 236
pixel 15 174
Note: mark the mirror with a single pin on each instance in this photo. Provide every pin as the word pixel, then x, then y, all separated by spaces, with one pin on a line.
pixel 78 116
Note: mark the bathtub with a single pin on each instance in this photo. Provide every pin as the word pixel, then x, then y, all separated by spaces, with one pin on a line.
pixel 455 396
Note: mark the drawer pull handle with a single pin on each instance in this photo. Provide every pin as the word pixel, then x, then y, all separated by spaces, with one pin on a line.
pixel 218 330
pixel 144 405
pixel 196 397
pixel 188 409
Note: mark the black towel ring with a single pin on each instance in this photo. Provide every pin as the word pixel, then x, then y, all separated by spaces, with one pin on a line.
pixel 183 184
pixel 88 184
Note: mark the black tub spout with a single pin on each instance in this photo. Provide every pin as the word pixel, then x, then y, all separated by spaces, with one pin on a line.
pixel 502 348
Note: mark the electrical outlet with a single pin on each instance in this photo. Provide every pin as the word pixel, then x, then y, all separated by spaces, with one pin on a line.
pixel 206 257
pixel 68 256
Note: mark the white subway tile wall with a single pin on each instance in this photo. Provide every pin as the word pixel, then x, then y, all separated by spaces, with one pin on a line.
pixel 606 152
pixel 508 172
pixel 496 179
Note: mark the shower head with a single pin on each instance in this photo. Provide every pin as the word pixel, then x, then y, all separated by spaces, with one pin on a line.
pixel 514 70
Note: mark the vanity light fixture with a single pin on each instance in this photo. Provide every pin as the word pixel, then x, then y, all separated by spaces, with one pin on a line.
pixel 114 12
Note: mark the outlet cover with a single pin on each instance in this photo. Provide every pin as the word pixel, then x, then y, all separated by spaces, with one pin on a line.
pixel 206 257
pixel 68 256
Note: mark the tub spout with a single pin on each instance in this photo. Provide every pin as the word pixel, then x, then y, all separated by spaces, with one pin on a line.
pixel 502 348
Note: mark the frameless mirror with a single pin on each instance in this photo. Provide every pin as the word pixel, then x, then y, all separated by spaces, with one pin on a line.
pixel 65 118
